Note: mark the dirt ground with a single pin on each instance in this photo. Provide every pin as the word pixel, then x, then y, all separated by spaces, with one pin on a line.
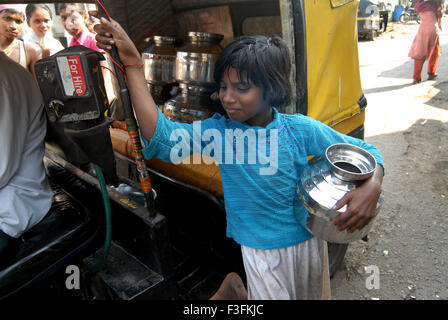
pixel 409 124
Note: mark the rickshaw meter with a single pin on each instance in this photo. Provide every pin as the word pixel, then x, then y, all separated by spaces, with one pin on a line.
pixel 72 86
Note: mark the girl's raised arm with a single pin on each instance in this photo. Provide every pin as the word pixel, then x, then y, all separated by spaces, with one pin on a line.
pixel 111 33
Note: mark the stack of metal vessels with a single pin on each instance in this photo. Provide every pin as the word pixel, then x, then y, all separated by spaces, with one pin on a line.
pixel 190 68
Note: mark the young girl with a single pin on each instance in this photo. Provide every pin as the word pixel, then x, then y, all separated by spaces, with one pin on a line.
pixel 40 20
pixel 282 260
pixel 75 20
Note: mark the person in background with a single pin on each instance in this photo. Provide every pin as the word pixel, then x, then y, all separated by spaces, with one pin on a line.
pixel 426 44
pixel 11 26
pixel 25 194
pixel 75 20
pixel 40 20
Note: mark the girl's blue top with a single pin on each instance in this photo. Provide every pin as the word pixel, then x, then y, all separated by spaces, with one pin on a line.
pixel 261 201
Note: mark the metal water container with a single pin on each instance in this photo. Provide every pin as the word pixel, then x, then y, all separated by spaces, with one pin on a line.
pixel 195 60
pixel 327 180
pixel 193 103
pixel 193 69
pixel 159 60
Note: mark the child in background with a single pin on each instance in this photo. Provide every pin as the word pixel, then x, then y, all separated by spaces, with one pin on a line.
pixel 75 19
pixel 40 20
pixel 281 258
pixel 12 20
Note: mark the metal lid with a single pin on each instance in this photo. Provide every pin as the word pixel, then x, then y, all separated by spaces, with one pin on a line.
pixel 196 56
pixel 164 40
pixel 213 38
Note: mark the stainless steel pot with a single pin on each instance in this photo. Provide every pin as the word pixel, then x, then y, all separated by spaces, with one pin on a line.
pixel 191 104
pixel 195 68
pixel 159 61
pixel 327 180
pixel 195 61
pixel 158 68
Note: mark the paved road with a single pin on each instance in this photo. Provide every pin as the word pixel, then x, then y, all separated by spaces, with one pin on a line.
pixel 408 244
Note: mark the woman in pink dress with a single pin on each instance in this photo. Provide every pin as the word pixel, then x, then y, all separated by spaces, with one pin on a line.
pixel 426 45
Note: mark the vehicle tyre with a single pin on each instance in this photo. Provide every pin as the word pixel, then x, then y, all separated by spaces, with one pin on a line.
pixel 336 253
pixel 418 19
pixel 404 18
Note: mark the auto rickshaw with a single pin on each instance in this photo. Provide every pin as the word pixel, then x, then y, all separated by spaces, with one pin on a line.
pixel 172 246
pixel 369 19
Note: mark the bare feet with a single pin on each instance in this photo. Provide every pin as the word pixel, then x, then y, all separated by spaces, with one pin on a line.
pixel 232 288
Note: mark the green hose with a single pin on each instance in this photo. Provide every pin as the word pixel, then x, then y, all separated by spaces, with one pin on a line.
pixel 106 201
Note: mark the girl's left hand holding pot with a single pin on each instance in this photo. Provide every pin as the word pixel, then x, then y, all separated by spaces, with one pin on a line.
pixel 361 204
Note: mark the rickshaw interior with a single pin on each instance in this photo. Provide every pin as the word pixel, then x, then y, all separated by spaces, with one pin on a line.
pixel 182 253
pixel 176 249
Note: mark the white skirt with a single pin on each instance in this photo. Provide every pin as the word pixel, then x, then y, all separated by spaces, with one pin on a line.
pixel 294 273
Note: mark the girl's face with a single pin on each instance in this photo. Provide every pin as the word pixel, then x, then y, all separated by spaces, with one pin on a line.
pixel 72 20
pixel 243 101
pixel 40 22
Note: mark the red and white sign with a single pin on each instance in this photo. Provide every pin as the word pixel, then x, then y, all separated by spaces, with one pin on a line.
pixel 79 83
pixel 72 75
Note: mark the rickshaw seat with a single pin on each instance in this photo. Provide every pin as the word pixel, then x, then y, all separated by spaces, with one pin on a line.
pixel 66 231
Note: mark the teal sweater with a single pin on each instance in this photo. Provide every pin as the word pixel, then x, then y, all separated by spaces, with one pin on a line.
pixel 260 169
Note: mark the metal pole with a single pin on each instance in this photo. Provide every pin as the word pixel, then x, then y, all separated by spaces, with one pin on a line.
pixel 132 128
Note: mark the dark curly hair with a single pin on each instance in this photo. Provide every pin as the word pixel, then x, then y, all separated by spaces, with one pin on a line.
pixel 264 60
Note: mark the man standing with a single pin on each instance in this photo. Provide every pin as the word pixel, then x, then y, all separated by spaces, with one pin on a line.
pixel 11 24
pixel 25 195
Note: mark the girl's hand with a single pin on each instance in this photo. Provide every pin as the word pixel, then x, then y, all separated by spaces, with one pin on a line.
pixel 43 46
pixel 361 204
pixel 111 33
